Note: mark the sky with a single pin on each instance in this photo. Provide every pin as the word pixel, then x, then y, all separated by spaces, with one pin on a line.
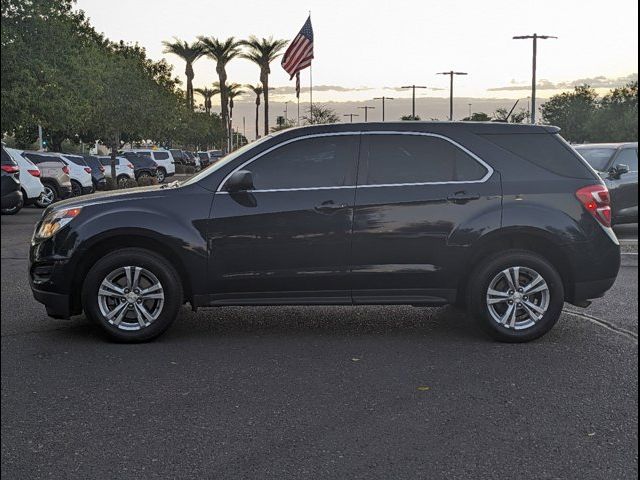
pixel 365 49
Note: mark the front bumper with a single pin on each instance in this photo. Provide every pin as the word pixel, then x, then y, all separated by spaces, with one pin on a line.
pixel 56 304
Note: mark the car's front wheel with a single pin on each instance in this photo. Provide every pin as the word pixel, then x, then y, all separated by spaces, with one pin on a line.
pixel 133 294
pixel 48 196
pixel 517 295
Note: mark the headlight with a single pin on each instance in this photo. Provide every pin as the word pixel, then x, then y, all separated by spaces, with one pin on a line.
pixel 55 221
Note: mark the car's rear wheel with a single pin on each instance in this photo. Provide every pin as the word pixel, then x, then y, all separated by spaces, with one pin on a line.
pixel 76 188
pixel 133 294
pixel 161 175
pixel 516 296
pixel 48 196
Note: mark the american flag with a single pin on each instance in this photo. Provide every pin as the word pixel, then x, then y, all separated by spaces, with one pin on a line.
pixel 300 53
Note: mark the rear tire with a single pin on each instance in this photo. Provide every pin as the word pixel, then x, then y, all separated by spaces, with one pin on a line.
pixel 527 313
pixel 14 210
pixel 76 188
pixel 113 295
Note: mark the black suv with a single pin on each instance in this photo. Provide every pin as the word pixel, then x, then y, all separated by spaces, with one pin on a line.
pixel 11 194
pixel 506 219
pixel 617 164
pixel 143 166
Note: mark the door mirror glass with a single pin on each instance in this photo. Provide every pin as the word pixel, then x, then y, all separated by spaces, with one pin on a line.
pixel 239 181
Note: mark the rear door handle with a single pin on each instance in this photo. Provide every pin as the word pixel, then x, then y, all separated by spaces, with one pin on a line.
pixel 329 206
pixel 462 197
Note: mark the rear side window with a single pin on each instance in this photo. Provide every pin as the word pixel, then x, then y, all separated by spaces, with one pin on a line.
pixel 407 159
pixel 38 158
pixel 77 159
pixel 628 157
pixel 161 155
pixel 545 150
pixel 309 163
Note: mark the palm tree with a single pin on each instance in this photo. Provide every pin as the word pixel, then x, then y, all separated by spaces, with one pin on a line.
pixel 189 53
pixel 257 89
pixel 233 90
pixel 262 52
pixel 222 52
pixel 207 94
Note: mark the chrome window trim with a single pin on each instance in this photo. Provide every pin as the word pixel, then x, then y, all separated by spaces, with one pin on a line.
pixel 489 168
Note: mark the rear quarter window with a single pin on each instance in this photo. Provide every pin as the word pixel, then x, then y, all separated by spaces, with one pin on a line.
pixel 545 150
pixel 161 155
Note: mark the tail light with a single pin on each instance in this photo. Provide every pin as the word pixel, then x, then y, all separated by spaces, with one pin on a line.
pixel 34 173
pixel 65 169
pixel 101 169
pixel 597 201
pixel 87 169
pixel 11 168
pixel 130 166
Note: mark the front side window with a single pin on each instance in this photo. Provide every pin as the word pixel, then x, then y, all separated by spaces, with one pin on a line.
pixel 406 159
pixel 308 163
pixel 628 157
pixel 598 158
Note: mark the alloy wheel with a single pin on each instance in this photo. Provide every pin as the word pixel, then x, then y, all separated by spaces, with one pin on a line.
pixel 131 298
pixel 518 297
pixel 160 175
pixel 47 196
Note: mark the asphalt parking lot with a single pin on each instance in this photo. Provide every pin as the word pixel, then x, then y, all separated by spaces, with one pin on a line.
pixel 261 393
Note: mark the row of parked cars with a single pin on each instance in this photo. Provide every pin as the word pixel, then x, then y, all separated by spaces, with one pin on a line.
pixel 41 178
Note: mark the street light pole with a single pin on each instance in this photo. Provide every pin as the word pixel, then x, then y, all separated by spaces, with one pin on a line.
pixel 413 98
pixel 383 100
pixel 366 109
pixel 470 112
pixel 535 38
pixel 451 74
pixel 351 115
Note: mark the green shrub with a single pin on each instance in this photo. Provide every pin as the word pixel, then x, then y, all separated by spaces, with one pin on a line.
pixel 110 185
pixel 180 169
pixel 147 181
pixel 128 183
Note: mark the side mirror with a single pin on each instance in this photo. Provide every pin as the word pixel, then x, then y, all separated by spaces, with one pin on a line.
pixel 618 171
pixel 240 181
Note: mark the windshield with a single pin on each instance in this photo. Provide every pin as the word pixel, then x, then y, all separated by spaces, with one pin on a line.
pixel 224 160
pixel 598 158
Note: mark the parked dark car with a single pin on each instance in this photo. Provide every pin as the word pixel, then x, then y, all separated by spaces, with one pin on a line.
pixel 10 193
pixel 97 172
pixel 179 156
pixel 97 176
pixel 617 164
pixel 506 219
pixel 205 159
pixel 143 166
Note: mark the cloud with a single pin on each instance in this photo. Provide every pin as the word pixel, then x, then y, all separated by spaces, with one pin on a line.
pixel 595 82
pixel 288 90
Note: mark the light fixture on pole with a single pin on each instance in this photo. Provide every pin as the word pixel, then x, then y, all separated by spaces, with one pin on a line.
pixel 366 109
pixel 351 115
pixel 451 74
pixel 383 101
pixel 535 38
pixel 413 98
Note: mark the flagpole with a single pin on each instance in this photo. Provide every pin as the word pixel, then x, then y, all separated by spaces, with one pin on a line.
pixel 311 92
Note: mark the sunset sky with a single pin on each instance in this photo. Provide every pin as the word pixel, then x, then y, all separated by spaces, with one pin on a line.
pixel 367 48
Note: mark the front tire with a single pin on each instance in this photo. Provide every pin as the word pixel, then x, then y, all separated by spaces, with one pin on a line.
pixel 48 196
pixel 132 294
pixel 516 296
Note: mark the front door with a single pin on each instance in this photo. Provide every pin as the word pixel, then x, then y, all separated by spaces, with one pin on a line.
pixel 624 190
pixel 288 240
pixel 420 200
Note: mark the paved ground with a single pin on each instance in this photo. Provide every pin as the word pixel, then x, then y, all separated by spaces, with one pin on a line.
pixel 339 393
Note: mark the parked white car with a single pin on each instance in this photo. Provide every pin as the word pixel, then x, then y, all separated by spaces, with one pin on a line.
pixel 30 182
pixel 81 183
pixel 124 168
pixel 164 159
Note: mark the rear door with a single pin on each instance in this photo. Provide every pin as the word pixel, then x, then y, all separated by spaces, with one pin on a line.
pixel 288 240
pixel 420 200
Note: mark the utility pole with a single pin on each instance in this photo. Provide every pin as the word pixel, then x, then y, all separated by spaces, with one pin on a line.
pixel 451 75
pixel 413 102
pixel 383 100
pixel 470 113
pixel 351 115
pixel 286 111
pixel 535 38
pixel 366 109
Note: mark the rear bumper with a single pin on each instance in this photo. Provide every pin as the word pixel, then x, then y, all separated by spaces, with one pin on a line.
pixel 11 200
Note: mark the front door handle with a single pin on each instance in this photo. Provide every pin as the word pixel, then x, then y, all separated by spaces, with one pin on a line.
pixel 329 207
pixel 463 197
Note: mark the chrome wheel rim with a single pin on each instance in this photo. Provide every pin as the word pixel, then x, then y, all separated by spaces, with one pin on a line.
pixel 130 298
pixel 160 176
pixel 517 298
pixel 47 196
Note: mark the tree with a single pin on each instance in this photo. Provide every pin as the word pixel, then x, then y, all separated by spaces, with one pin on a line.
pixel 234 90
pixel 257 90
pixel 572 111
pixel 318 114
pixel 262 52
pixel 283 124
pixel 478 117
pixel 189 53
pixel 505 115
pixel 222 52
pixel 207 94
pixel 616 116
